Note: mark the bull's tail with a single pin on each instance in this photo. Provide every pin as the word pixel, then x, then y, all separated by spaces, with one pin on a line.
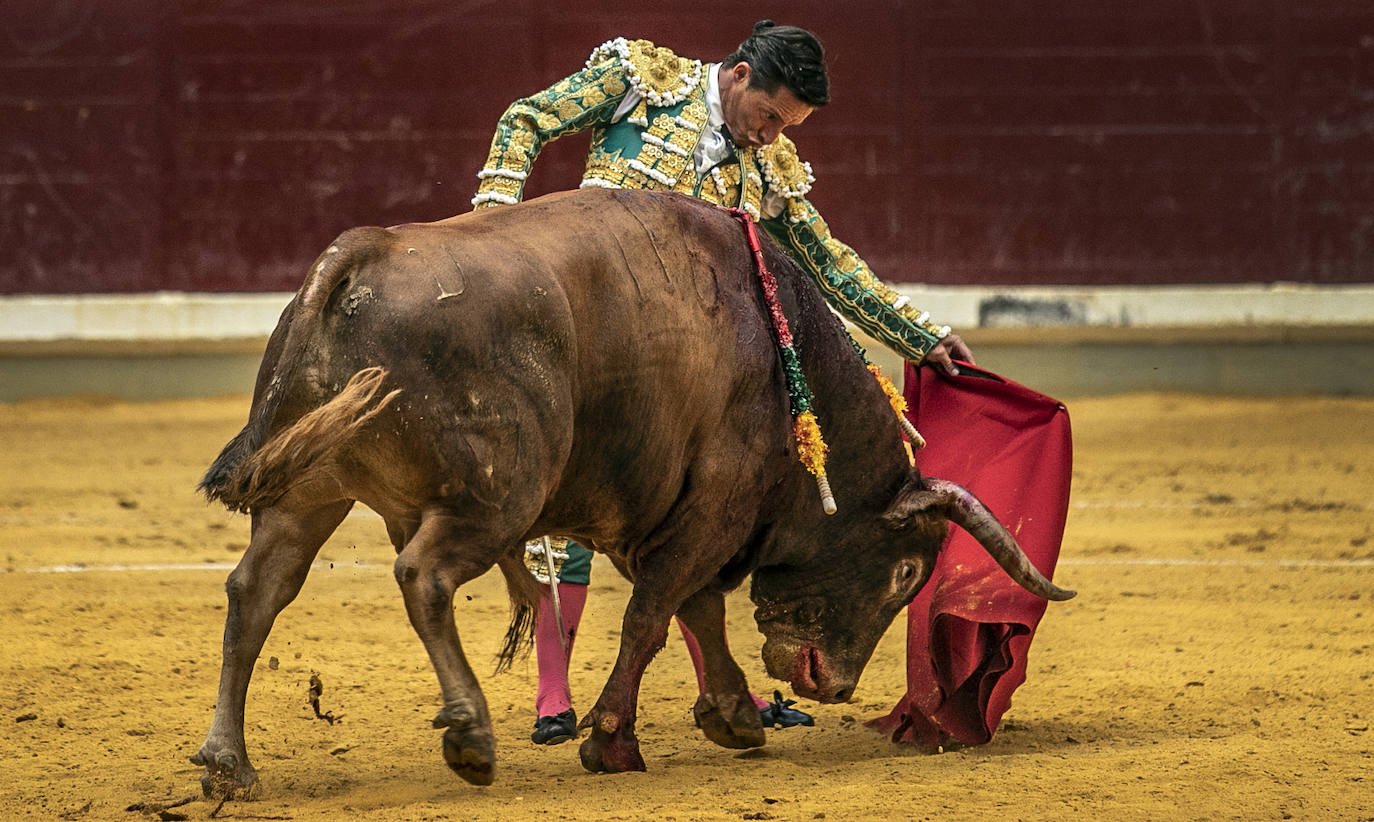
pixel 224 479
pixel 245 481
pixel 524 594
pixel 217 484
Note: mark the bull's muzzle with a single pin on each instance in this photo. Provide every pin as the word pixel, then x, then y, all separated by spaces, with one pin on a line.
pixel 813 677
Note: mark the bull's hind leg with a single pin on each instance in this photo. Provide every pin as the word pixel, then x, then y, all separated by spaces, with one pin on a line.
pixel 270 574
pixel 429 569
pixel 725 711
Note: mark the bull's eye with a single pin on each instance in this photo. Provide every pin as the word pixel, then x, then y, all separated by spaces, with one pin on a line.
pixel 903 576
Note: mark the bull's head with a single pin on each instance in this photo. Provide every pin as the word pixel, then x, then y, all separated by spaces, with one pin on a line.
pixel 823 616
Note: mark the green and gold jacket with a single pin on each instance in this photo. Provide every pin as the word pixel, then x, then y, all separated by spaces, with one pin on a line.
pixel 653 147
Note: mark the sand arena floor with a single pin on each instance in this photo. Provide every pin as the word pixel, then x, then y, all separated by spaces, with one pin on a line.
pixel 1217 664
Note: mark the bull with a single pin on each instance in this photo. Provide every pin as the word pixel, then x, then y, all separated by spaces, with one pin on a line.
pixel 597 364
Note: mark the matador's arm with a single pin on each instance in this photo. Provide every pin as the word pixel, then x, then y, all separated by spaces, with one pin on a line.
pixel 844 278
pixel 581 101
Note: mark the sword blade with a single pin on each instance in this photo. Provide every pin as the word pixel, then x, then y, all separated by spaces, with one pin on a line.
pixel 553 595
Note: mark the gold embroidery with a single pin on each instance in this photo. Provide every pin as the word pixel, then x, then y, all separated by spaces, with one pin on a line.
pixel 656 66
pixel 695 112
pixel 595 96
pixel 569 109
pixel 660 70
pixel 659 75
pixel 661 125
pixel 751 184
pixel 847 260
pixel 615 171
pixel 724 188
pixel 785 173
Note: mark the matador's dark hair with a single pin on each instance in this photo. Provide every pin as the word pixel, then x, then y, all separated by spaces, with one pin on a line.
pixel 785 55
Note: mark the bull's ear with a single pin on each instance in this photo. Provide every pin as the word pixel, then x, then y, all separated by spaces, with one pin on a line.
pixel 913 500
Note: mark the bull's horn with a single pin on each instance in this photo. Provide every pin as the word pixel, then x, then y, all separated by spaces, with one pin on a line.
pixel 962 508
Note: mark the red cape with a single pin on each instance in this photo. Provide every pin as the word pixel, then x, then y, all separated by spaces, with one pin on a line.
pixel 970 627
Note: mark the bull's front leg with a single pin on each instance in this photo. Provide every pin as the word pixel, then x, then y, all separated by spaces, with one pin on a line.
pixel 725 710
pixel 612 746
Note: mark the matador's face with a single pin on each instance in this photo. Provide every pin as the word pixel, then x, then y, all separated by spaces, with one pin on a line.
pixel 756 117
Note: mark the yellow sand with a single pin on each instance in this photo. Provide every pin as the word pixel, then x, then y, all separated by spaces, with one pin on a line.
pixel 1217 663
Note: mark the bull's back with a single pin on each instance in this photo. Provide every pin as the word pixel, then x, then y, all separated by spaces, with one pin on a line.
pixel 598 335
pixel 635 288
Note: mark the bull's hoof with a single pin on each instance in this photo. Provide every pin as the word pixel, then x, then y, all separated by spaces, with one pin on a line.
pixel 733 725
pixel 611 751
pixel 471 754
pixel 227 775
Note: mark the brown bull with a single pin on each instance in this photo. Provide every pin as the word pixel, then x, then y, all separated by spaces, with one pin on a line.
pixel 596 364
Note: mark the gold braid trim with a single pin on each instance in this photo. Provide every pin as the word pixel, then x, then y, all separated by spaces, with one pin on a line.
pixel 787 174
pixel 849 285
pixel 660 76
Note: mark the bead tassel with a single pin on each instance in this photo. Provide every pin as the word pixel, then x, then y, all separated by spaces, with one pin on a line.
pixel 898 406
pixel 811 447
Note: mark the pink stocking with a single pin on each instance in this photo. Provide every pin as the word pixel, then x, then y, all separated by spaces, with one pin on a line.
pixel 555 695
pixel 694 650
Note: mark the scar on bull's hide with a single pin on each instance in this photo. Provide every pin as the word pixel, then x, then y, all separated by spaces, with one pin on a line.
pixel 444 293
pixel 316 691
pixel 351 302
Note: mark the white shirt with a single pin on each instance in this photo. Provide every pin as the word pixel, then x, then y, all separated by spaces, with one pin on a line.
pixel 713 148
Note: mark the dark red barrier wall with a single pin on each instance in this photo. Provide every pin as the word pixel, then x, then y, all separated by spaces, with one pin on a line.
pixel 220 145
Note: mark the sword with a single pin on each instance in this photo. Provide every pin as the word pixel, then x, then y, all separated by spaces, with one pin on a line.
pixel 553 595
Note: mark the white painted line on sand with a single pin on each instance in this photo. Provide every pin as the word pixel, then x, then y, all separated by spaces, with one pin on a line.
pixel 1160 503
pixel 1183 562
pixel 175 566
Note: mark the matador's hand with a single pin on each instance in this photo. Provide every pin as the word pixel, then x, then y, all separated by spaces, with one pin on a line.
pixel 943 355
